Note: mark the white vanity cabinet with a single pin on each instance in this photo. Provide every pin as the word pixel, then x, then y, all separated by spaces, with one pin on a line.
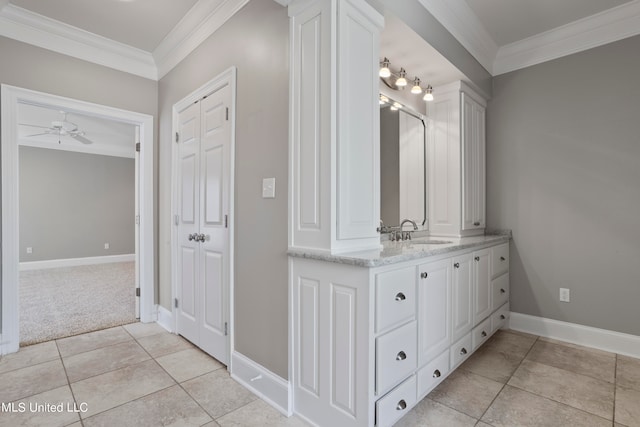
pixel 456 148
pixel 369 342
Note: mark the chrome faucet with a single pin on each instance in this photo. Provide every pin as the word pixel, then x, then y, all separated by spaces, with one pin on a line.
pixel 406 235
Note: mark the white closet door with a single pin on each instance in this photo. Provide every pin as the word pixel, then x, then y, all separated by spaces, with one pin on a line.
pixel 215 158
pixel 188 310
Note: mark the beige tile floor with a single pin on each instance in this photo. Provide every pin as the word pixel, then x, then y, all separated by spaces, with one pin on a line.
pixel 140 375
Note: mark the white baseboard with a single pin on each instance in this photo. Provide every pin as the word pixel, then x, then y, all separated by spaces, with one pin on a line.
pixel 165 318
pixel 270 387
pixel 75 262
pixel 602 339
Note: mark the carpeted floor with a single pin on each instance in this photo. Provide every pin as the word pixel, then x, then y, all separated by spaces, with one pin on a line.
pixel 60 302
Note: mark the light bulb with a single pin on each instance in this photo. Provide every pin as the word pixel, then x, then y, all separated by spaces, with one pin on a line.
pixel 416 89
pixel 397 105
pixel 428 94
pixel 384 70
pixel 402 81
pixel 392 108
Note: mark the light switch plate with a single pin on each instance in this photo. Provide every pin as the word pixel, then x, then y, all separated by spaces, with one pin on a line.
pixel 269 188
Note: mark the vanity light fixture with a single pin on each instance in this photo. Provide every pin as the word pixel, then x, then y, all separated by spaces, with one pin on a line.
pixel 384 69
pixel 398 81
pixel 416 89
pixel 402 80
pixel 428 94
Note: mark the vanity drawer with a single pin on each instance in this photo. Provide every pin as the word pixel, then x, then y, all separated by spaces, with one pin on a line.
pixel 500 318
pixel 396 356
pixel 499 260
pixel 432 374
pixel 396 403
pixel 460 350
pixel 500 290
pixel 395 298
pixel 481 333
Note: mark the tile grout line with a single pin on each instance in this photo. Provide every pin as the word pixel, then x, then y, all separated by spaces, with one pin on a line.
pixel 508 379
pixel 66 374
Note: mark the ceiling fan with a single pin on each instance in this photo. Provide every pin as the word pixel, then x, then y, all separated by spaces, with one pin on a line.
pixel 61 128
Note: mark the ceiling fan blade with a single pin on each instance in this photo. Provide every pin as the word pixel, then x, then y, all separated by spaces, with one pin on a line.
pixel 37 134
pixel 81 139
pixel 33 126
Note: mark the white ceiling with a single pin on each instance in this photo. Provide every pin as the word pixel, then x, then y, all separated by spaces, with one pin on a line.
pixel 108 137
pixel 152 36
pixel 139 23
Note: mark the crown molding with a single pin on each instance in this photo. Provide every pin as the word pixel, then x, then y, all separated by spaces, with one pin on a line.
pixel 460 20
pixel 605 27
pixel 28 27
pixel 202 20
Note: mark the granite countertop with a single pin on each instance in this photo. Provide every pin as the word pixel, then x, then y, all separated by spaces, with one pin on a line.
pixel 408 250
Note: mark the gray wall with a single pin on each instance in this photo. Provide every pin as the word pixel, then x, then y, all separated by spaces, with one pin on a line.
pixel 71 204
pixel 38 69
pixel 563 172
pixel 256 41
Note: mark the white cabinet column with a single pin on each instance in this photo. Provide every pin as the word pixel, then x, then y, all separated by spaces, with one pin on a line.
pixel 334 166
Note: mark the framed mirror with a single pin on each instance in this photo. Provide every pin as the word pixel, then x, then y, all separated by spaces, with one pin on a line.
pixel 403 164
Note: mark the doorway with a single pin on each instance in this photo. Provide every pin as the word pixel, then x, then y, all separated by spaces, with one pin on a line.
pixel 12 99
pixel 202 240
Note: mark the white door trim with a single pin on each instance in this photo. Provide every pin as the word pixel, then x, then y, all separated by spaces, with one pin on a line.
pixel 228 77
pixel 10 97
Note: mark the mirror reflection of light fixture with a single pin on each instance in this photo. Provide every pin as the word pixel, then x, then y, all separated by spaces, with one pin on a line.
pixel 383 99
pixel 428 94
pixel 384 69
pixel 398 81
pixel 402 80
pixel 397 105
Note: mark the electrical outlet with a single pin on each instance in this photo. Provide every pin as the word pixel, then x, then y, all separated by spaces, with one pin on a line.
pixel 106 246
pixel 565 295
pixel 29 250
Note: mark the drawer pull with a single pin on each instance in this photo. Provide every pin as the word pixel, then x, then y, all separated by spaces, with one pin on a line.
pixel 502 317
pixel 456 265
pixel 483 334
pixel 463 351
pixel 400 296
pixel 401 356
pixel 402 405
pixel 502 258
pixel 476 223
pixel 477 258
pixel 424 275
pixel 436 373
pixel 502 291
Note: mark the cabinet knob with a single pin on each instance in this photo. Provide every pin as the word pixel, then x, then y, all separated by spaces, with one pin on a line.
pixel 400 296
pixel 424 275
pixel 476 223
pixel 463 351
pixel 436 373
pixel 192 237
pixel 483 334
pixel 502 317
pixel 401 356
pixel 477 258
pixel 456 265
pixel 402 405
pixel 502 258
pixel 502 291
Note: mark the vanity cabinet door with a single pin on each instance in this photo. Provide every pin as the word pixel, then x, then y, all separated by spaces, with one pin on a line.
pixel 473 160
pixel 461 296
pixel 434 309
pixel 482 295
